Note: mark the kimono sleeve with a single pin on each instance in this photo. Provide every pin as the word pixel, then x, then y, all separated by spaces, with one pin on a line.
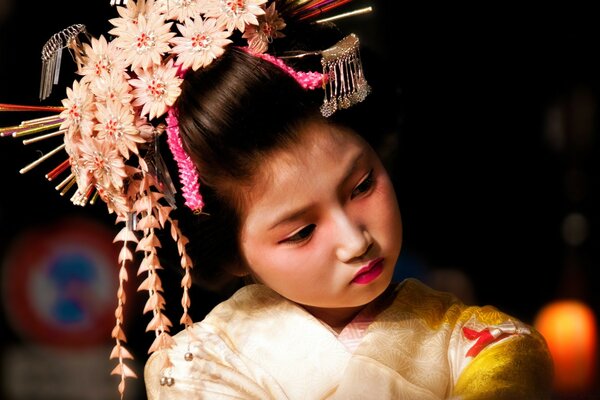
pixel 509 360
pixel 206 369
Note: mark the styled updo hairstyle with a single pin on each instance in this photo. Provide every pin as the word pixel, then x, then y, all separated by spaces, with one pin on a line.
pixel 232 115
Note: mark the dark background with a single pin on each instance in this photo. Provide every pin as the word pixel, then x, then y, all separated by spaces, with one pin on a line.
pixel 492 144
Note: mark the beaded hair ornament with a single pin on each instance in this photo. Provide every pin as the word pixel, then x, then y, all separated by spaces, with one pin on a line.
pixel 113 116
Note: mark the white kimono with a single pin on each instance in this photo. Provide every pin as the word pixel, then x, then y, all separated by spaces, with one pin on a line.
pixel 420 344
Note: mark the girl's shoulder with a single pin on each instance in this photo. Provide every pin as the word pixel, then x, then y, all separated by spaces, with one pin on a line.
pixel 250 303
pixel 436 307
pixel 254 308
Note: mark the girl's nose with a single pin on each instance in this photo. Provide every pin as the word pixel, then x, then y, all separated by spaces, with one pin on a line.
pixel 353 239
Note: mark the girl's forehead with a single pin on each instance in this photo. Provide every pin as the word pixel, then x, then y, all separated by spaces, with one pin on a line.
pixel 321 149
pixel 317 143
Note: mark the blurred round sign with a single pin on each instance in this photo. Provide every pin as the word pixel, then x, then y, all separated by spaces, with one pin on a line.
pixel 59 283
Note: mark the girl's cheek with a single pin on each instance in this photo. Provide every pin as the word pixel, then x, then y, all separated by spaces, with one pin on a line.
pixel 302 257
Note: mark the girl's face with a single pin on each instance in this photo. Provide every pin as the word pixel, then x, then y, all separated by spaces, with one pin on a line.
pixel 322 225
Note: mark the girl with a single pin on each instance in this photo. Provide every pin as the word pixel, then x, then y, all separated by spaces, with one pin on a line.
pixel 295 201
pixel 302 205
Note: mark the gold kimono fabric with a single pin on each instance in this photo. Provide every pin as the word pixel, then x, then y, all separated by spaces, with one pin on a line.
pixel 423 344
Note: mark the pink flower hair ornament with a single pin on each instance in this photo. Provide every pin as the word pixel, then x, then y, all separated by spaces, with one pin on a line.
pixel 113 116
pixel 188 173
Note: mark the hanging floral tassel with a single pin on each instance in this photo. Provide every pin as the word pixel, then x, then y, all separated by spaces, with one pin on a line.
pixel 119 352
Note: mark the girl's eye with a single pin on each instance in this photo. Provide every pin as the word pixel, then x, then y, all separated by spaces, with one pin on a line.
pixel 364 186
pixel 300 236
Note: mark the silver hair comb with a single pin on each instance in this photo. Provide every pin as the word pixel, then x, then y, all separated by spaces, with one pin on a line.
pixel 52 56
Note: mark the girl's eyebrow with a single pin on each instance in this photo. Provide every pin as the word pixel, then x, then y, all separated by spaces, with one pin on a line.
pixel 291 216
pixel 294 214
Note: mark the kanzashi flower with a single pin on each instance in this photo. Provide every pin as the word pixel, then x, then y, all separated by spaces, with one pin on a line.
pixel 116 126
pixel 180 10
pixel 101 57
pixel 79 110
pixel 111 87
pixel 146 42
pixel 201 42
pixel 269 28
pixel 130 13
pixel 105 163
pixel 235 14
pixel 156 89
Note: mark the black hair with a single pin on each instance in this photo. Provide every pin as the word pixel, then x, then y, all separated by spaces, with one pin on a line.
pixel 232 115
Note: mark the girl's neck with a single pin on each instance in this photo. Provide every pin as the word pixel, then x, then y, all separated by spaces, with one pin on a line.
pixel 335 318
pixel 338 318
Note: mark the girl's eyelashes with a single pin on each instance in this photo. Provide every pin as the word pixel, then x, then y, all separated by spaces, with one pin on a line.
pixel 306 232
pixel 300 236
pixel 364 186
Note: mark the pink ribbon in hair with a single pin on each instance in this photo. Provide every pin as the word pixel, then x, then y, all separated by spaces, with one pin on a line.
pixel 308 80
pixel 188 174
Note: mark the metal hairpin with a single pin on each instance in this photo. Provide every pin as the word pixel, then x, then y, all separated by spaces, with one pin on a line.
pixel 52 56
pixel 345 80
pixel 346 83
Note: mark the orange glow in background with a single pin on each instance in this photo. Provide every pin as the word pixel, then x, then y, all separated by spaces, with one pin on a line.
pixel 569 327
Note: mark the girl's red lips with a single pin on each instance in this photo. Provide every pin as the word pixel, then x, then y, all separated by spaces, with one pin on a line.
pixel 369 272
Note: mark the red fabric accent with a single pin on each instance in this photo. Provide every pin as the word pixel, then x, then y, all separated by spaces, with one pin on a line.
pixel 483 337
